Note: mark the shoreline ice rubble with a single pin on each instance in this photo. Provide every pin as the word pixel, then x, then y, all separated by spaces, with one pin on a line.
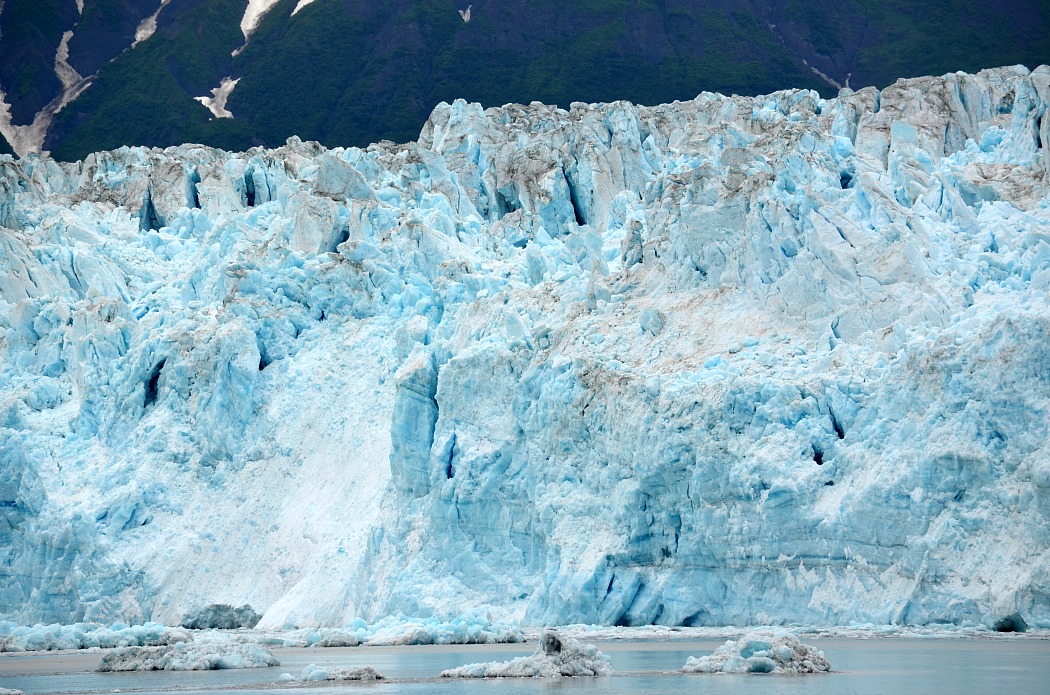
pixel 18 638
pixel 555 657
pixel 761 652
pixel 734 360
pixel 391 631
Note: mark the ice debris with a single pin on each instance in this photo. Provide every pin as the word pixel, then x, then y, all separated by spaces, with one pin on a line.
pixel 402 630
pixel 555 657
pixel 17 638
pixel 313 672
pixel 221 616
pixel 761 652
pixel 206 655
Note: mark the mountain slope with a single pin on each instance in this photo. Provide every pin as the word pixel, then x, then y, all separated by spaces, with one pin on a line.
pixel 351 72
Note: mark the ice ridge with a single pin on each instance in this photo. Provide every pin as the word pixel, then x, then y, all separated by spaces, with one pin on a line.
pixel 726 361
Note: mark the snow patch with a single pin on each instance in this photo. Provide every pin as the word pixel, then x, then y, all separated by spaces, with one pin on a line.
pixel 301 5
pixel 761 652
pixel 69 77
pixel 148 26
pixel 555 657
pixel 254 14
pixel 216 103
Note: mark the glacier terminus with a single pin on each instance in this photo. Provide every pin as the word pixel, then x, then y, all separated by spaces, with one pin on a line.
pixel 735 360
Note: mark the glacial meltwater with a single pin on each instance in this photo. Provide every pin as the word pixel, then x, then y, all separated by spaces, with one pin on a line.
pixel 951 666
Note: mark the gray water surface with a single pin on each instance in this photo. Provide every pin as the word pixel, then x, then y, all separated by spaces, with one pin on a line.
pixel 861 667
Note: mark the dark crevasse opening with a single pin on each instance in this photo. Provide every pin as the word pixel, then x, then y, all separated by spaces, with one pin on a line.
pixel 153 385
pixel 193 197
pixel 574 200
pixel 818 456
pixel 148 217
pixel 249 187
pixel 341 237
pixel 836 425
pixel 450 469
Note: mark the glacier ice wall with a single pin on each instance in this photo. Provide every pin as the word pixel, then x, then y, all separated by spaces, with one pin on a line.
pixel 733 360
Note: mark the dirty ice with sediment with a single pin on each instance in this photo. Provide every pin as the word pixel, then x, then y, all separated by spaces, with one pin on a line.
pixel 725 361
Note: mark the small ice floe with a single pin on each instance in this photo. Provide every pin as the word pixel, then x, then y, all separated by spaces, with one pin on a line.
pixel 313 672
pixel 8 691
pixel 761 652
pixel 555 657
pixel 188 656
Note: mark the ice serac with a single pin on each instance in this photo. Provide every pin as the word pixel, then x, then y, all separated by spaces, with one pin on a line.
pixel 726 361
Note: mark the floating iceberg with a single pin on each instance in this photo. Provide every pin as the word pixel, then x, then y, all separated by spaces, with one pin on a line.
pixel 313 672
pixel 733 360
pixel 188 656
pixel 15 638
pixel 555 657
pixel 761 652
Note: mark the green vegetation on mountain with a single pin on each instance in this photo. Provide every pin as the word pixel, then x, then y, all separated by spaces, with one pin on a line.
pixel 146 97
pixel 31 32
pixel 350 73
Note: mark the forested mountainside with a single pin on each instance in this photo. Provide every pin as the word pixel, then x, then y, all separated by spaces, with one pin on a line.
pixel 87 75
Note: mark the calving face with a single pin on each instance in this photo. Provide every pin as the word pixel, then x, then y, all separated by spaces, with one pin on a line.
pixel 728 361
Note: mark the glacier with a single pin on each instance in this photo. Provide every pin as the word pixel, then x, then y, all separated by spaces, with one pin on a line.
pixel 735 360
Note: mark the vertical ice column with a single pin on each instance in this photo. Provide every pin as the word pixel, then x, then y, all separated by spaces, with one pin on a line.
pixel 412 429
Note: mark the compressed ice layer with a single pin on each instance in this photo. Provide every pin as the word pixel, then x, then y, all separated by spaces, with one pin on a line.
pixel 16 638
pixel 555 657
pixel 313 672
pixel 761 652
pixel 221 616
pixel 206 655
pixel 724 361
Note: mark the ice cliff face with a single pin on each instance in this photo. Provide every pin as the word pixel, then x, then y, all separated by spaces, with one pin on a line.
pixel 731 360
